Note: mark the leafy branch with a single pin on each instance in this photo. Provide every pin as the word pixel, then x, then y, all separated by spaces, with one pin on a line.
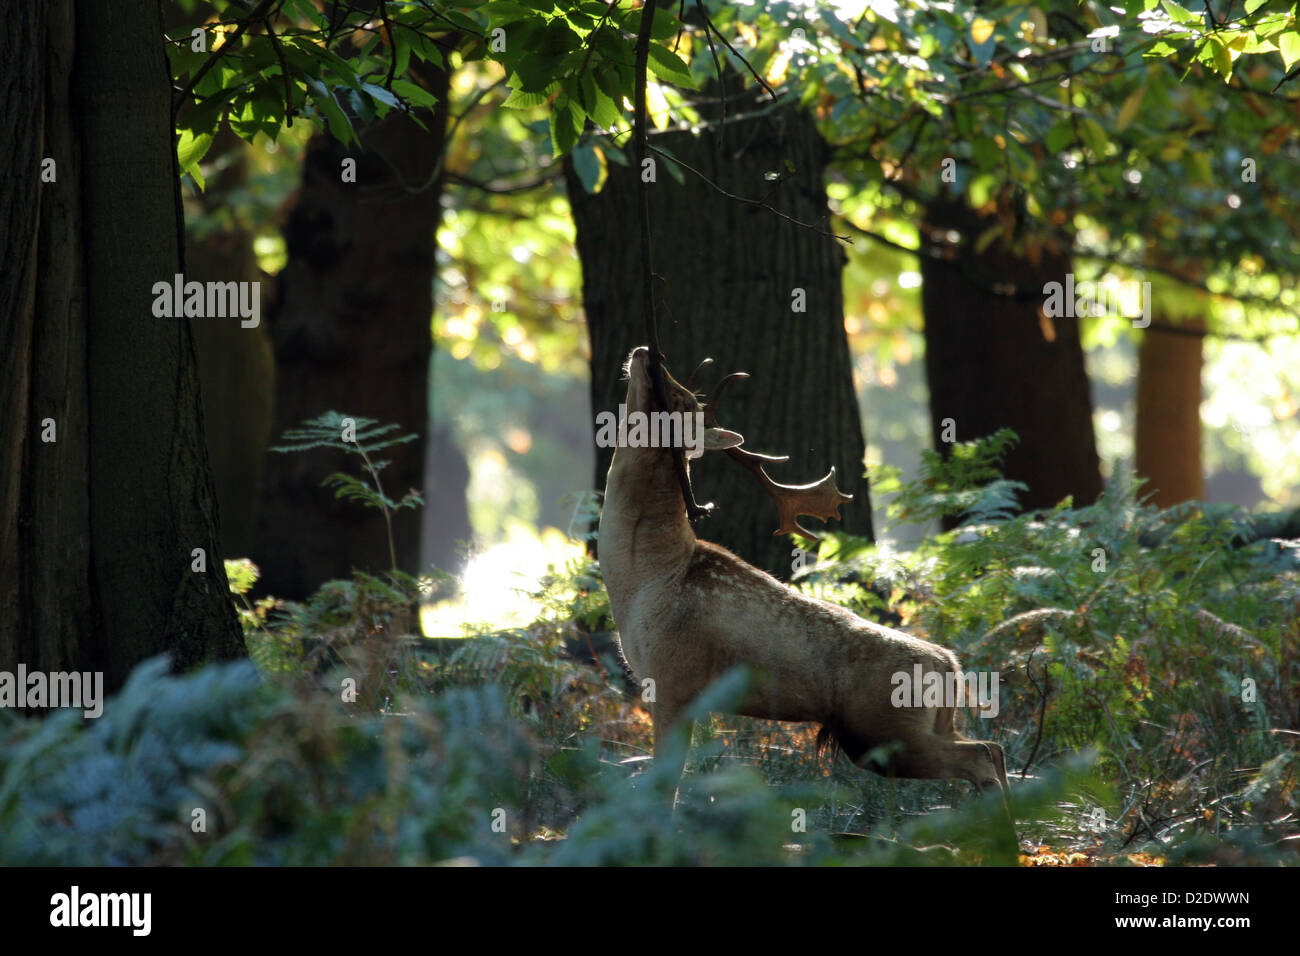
pixel 359 436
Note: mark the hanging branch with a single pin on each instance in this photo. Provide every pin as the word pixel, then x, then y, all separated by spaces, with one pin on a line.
pixel 694 510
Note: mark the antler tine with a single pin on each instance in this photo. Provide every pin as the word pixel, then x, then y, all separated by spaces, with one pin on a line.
pixel 710 413
pixel 695 376
pixel 817 499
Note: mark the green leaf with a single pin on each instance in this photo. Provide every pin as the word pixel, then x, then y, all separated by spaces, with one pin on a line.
pixel 986 152
pixel 504 11
pixel 566 125
pixel 520 100
pixel 675 171
pixel 1253 5
pixel 665 25
pixel 667 65
pixel 1094 137
pixel 414 94
pixel 192 148
pixel 1181 14
pixel 381 94
pixel 1222 58
pixel 599 106
pixel 339 124
pixel 607 78
pixel 1288 44
pixel 589 164
pixel 1060 136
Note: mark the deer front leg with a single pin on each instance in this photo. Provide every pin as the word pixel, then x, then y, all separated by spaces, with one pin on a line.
pixel 672 740
pixel 983 763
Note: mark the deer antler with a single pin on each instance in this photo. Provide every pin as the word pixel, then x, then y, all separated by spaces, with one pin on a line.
pixel 819 499
pixel 694 381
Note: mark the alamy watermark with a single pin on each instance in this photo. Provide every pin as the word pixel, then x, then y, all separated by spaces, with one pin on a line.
pixel 78 909
pixel 208 300
pixel 75 689
pixel 1098 299
pixel 651 430
pixel 922 688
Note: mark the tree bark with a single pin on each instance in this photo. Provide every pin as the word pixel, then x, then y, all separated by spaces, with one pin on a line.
pixel 446 509
pixel 236 365
pixel 98 526
pixel 993 361
pixel 351 333
pixel 729 272
pixel 1168 434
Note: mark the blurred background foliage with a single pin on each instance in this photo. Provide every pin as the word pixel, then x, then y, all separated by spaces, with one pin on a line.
pixel 510 369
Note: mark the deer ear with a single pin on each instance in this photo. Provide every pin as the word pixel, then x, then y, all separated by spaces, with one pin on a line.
pixel 718 439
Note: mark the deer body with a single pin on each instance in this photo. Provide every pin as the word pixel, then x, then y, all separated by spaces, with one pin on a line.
pixel 688 611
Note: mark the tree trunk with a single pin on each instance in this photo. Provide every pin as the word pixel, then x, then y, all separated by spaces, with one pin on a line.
pixel 993 361
pixel 732 277
pixel 236 366
pixel 98 526
pixel 446 510
pixel 1168 438
pixel 352 334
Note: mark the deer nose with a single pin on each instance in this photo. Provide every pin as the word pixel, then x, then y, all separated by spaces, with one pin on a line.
pixel 641 354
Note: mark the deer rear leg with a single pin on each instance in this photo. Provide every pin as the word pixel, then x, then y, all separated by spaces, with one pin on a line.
pixel 938 752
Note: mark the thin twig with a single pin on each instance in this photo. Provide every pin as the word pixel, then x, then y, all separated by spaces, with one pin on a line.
pixel 750 202
pixel 736 53
pixel 260 12
pixel 722 82
pixel 693 509
pixel 503 190
pixel 1043 692
pixel 392 45
pixel 284 73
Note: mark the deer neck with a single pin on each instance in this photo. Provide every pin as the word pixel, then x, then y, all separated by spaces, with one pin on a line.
pixel 644 531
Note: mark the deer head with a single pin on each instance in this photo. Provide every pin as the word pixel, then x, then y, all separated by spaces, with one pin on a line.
pixel 700 432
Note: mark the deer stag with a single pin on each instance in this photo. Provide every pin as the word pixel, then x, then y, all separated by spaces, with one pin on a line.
pixel 687 611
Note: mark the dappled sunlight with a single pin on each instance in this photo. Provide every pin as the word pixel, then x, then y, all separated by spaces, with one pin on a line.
pixel 497 583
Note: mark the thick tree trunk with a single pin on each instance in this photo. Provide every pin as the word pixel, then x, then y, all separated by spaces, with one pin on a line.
pixel 732 274
pixel 993 361
pixel 1168 438
pixel 236 366
pixel 352 334
pixel 446 510
pixel 98 526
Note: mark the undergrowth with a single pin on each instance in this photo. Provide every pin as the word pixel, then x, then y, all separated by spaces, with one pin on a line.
pixel 1148 668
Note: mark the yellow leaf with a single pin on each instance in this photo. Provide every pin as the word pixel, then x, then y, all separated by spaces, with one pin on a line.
pixel 981 30
pixel 656 106
pixel 1130 108
pixel 776 69
pixel 1039 21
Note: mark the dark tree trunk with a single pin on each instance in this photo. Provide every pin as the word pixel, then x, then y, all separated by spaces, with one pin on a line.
pixel 729 274
pixel 97 528
pixel 993 361
pixel 446 510
pixel 1168 435
pixel 351 333
pixel 236 367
